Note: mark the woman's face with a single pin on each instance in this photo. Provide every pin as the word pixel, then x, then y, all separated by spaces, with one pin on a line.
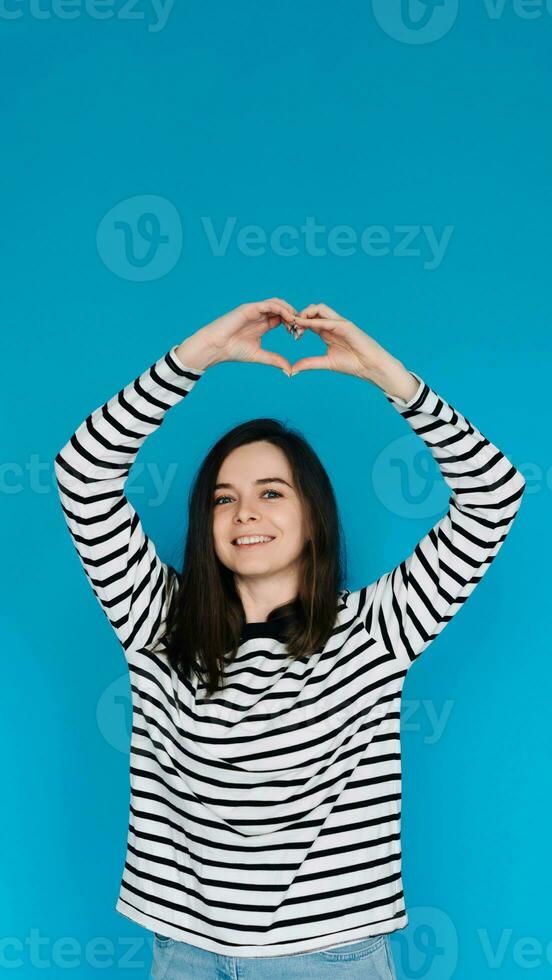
pixel 260 499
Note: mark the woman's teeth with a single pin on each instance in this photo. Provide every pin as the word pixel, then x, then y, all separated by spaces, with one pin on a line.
pixel 252 542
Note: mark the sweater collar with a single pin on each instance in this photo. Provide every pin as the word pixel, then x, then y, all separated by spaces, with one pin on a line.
pixel 273 628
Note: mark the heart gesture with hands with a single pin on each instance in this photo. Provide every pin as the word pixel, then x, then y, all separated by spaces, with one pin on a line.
pixel 237 335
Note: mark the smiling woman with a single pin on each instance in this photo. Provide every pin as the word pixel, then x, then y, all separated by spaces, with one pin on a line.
pixel 264 479
pixel 265 812
pixel 254 507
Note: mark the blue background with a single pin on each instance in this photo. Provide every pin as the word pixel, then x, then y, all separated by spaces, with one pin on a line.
pixel 269 115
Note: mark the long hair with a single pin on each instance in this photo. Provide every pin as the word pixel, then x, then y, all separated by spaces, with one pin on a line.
pixel 205 614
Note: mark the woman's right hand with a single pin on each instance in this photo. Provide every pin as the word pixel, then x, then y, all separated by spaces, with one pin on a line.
pixel 237 335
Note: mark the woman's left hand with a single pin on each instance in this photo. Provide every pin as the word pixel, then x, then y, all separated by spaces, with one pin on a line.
pixel 351 351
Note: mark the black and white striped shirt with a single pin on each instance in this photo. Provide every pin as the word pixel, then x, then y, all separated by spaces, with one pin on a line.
pixel 266 821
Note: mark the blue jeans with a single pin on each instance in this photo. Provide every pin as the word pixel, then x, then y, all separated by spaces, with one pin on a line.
pixel 367 959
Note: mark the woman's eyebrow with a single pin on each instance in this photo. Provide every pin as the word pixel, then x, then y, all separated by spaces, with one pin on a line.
pixel 264 479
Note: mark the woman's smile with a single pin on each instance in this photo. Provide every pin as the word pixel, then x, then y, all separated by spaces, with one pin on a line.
pixel 252 544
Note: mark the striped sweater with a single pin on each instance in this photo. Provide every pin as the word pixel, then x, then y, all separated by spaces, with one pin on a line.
pixel 266 821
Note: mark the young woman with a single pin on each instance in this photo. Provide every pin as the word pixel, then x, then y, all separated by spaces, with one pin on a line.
pixel 265 767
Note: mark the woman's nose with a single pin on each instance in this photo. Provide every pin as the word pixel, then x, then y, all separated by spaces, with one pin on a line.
pixel 246 514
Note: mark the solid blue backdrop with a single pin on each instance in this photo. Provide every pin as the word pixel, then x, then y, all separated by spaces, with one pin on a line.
pixel 162 165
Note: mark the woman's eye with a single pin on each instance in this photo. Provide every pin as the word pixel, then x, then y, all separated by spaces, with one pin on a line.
pixel 226 497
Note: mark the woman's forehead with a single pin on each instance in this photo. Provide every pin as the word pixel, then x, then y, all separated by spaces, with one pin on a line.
pixel 255 461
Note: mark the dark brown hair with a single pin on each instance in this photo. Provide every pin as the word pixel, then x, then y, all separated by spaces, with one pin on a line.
pixel 205 614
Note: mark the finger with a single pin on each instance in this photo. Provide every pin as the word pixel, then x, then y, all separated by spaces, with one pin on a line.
pixel 272 359
pixel 317 323
pixel 309 310
pixel 277 306
pixel 278 299
pixel 273 321
pixel 321 310
pixel 274 305
pixel 326 311
pixel 311 364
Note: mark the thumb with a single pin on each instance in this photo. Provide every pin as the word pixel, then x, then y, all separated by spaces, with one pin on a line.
pixel 273 360
pixel 310 364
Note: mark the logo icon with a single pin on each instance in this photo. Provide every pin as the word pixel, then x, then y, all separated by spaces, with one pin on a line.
pixel 415 21
pixel 140 239
pixel 430 949
pixel 406 479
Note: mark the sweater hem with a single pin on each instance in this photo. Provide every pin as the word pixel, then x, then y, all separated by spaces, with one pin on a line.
pixel 312 945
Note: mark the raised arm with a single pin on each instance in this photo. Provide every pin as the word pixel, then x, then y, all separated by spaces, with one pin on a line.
pixel 406 608
pixel 127 576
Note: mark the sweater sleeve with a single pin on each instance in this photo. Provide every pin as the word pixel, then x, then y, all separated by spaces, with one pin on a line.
pixel 406 608
pixel 127 576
